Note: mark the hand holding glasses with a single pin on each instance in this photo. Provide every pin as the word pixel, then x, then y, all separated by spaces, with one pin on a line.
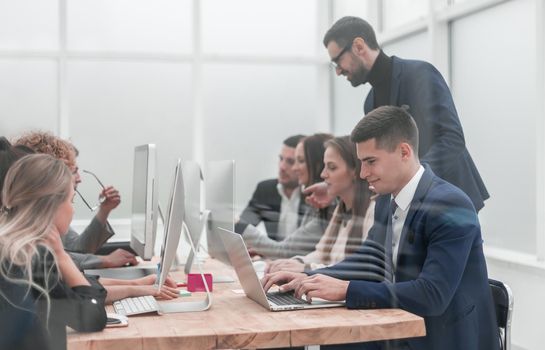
pixel 107 194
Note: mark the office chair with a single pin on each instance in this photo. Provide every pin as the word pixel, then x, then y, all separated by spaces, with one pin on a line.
pixel 503 304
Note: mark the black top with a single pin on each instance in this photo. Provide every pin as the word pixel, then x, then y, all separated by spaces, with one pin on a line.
pixel 380 77
pixel 24 320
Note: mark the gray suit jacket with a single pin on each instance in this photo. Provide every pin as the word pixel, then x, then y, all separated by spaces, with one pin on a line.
pixel 82 247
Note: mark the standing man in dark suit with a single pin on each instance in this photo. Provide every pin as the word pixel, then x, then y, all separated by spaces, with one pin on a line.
pixel 432 240
pixel 354 52
pixel 277 202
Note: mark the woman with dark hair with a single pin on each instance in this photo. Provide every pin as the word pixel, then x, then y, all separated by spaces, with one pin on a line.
pixel 308 166
pixel 8 155
pixel 353 216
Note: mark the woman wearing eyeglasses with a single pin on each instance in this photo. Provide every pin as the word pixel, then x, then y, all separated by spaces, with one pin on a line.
pixel 82 246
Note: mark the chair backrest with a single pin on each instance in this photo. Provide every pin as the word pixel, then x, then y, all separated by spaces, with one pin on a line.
pixel 503 303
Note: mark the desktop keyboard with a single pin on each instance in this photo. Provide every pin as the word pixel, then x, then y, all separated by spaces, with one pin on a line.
pixel 286 298
pixel 135 306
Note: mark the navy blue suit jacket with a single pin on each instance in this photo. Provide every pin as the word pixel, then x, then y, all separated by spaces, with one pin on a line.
pixel 441 272
pixel 420 86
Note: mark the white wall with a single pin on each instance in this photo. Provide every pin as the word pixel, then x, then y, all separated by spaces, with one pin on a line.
pixel 203 80
pixel 526 278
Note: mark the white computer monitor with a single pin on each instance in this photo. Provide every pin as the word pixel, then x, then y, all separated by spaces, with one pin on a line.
pixel 173 224
pixel 219 180
pixel 144 201
pixel 193 219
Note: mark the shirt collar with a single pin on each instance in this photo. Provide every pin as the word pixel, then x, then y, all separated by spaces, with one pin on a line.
pixel 295 194
pixel 406 195
pixel 381 70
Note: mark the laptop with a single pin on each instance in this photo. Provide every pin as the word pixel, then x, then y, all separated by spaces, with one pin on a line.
pixel 275 301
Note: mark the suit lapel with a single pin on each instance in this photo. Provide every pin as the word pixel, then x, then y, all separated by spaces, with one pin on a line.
pixel 417 202
pixel 396 79
pixel 369 104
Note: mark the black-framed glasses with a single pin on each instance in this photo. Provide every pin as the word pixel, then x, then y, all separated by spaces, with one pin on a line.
pixel 101 198
pixel 335 60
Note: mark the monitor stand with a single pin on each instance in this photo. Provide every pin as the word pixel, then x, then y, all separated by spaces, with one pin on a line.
pixel 193 254
pixel 189 306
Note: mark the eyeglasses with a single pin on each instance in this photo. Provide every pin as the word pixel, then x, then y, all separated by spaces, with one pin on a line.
pixel 101 198
pixel 335 61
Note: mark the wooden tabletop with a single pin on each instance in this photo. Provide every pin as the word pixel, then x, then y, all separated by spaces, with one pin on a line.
pixel 234 321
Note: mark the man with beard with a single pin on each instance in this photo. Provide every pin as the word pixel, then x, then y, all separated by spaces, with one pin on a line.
pixel 277 202
pixel 354 51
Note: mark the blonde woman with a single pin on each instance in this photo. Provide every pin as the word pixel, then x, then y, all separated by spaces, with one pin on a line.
pixel 82 247
pixel 41 289
pixel 116 288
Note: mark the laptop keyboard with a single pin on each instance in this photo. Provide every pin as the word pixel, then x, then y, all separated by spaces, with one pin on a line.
pixel 135 306
pixel 286 298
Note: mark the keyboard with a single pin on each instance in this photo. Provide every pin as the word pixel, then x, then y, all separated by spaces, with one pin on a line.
pixel 136 306
pixel 286 298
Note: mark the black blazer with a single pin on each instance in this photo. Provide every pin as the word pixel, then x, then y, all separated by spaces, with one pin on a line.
pixel 419 85
pixel 27 323
pixel 265 206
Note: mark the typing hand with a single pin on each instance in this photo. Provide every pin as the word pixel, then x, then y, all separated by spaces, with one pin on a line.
pixel 165 292
pixel 317 195
pixel 150 280
pixel 286 280
pixel 322 286
pixel 284 265
pixel 118 258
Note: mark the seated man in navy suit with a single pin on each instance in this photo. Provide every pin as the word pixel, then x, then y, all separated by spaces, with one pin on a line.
pixel 432 241
pixel 277 202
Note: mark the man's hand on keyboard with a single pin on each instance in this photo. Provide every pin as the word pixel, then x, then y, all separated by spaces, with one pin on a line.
pixel 287 280
pixel 322 286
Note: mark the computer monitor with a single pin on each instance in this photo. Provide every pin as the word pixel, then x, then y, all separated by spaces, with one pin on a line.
pixel 173 224
pixel 144 201
pixel 219 182
pixel 192 183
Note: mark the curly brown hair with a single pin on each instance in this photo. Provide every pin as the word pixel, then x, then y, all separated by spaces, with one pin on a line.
pixel 47 143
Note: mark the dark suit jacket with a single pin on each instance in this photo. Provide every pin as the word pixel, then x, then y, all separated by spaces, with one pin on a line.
pixel 441 272
pixel 420 86
pixel 265 206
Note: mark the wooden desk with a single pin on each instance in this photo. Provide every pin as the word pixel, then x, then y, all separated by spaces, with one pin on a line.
pixel 234 321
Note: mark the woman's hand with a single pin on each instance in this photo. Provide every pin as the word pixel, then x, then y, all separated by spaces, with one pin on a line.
pixel 53 241
pixel 285 265
pixel 150 280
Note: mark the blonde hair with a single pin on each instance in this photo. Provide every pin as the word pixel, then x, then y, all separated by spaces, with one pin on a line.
pixel 47 143
pixel 34 188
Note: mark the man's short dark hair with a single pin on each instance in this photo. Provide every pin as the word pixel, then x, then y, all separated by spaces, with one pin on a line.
pixel 348 28
pixel 292 141
pixel 389 126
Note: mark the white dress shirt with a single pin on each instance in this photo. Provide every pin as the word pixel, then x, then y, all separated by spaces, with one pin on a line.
pixel 289 212
pixel 403 201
